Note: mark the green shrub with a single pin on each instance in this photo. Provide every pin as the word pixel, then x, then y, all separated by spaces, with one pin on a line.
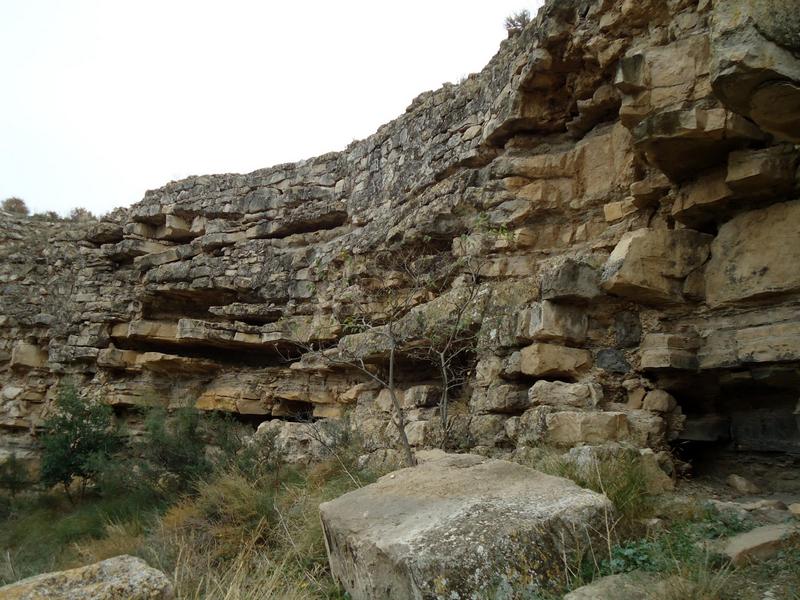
pixel 75 437
pixel 174 449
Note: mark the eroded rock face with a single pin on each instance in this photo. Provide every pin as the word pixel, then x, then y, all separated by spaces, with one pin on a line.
pixel 456 526
pixel 620 181
pixel 111 579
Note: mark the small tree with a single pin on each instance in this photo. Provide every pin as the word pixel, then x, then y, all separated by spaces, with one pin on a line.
pixel 175 445
pixel 449 343
pixel 13 475
pixel 517 21
pixel 15 205
pixel 75 436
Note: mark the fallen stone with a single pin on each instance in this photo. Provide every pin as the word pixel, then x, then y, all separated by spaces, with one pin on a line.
pixel 631 586
pixel 765 505
pixel 452 525
pixel 760 543
pixel 111 579
pixel 795 509
pixel 742 485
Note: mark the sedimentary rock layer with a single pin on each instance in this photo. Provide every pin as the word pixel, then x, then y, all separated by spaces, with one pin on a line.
pixel 622 176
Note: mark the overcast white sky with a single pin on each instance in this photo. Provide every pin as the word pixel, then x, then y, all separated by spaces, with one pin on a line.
pixel 103 99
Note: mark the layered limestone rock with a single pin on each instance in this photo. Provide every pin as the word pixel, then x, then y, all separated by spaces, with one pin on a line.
pixel 617 191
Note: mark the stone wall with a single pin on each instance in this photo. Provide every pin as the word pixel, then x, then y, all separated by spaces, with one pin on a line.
pixel 625 175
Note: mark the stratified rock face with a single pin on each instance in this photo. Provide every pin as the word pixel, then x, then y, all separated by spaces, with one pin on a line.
pixel 114 578
pixel 621 179
pixel 457 526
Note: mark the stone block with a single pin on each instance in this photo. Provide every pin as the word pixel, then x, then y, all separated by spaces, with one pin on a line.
pixel 669 351
pixel 114 358
pixel 616 211
pixel 612 360
pixel 703 201
pixel 648 192
pixel 571 281
pixel 760 544
pixel 503 398
pixel 569 428
pixel 551 360
pixel 684 142
pixel 648 265
pixel 28 356
pixel 659 401
pixel 559 393
pixel 755 70
pixel 453 523
pixel 755 255
pixel 487 430
pixel 118 577
pixel 422 395
pixel 758 173
pixel 549 321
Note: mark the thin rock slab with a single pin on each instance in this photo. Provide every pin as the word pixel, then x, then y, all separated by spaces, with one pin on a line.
pixel 458 527
pixel 115 578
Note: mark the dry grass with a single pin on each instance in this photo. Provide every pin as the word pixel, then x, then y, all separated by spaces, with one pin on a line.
pixel 121 537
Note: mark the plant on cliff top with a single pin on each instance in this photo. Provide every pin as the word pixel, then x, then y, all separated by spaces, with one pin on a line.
pixel 75 436
pixel 517 21
pixel 15 205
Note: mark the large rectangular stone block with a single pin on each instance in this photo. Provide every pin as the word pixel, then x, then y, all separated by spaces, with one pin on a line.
pixel 546 360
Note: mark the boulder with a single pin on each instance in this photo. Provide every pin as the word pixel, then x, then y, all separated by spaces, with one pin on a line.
pixel 111 579
pixel 632 586
pixel 760 544
pixel 742 485
pixel 456 526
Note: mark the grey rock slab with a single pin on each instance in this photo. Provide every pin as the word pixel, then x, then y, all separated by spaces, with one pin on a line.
pixel 456 526
pixel 118 577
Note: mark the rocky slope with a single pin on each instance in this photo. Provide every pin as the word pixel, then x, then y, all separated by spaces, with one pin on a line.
pixel 624 176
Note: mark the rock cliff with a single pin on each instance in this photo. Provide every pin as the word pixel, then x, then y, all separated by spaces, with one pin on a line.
pixel 623 173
